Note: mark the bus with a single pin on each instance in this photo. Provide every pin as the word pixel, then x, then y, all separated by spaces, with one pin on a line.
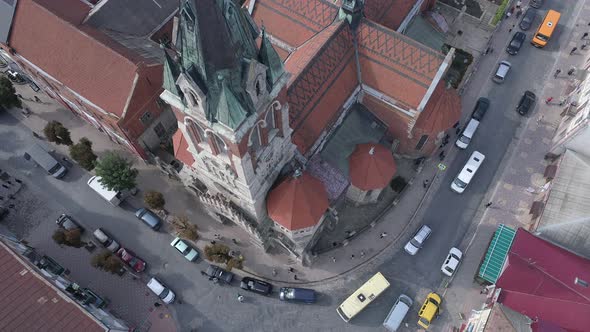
pixel 360 299
pixel 546 29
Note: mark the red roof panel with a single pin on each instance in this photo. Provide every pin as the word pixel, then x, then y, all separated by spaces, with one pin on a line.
pixel 371 166
pixel 538 281
pixel 297 202
pixel 180 149
pixel 29 303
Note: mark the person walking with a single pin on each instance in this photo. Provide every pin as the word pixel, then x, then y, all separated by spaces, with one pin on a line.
pixel 548 100
pixel 557 72
pixel 333 259
pixel 382 235
pixel 425 183
pixel 571 71
pixel 585 35
pixel 489 204
pixel 573 50
pixel 240 298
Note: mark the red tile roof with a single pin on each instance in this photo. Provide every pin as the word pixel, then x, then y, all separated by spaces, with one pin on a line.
pixel 180 149
pixel 80 57
pixel 442 111
pixel 30 303
pixel 371 166
pixel 538 281
pixel 298 202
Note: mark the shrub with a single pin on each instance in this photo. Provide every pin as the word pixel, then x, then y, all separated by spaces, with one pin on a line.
pixel 218 253
pixel 106 261
pixel 57 133
pixel 8 97
pixel 70 238
pixel 500 12
pixel 82 153
pixel 184 228
pixel 398 184
pixel 155 200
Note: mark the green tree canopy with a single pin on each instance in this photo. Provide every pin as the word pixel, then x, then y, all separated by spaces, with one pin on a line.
pixel 155 200
pixel 8 96
pixel 82 153
pixel 57 133
pixel 116 172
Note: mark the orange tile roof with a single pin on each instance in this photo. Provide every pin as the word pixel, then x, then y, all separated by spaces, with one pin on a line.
pixel 294 22
pixel 298 202
pixel 28 302
pixel 442 111
pixel 82 58
pixel 396 65
pixel 180 149
pixel 371 166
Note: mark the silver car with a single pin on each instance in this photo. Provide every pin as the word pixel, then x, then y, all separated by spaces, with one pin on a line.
pixel 187 251
pixel 418 240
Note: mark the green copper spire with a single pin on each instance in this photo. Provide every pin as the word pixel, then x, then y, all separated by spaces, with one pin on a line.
pixel 171 72
pixel 229 110
pixel 269 57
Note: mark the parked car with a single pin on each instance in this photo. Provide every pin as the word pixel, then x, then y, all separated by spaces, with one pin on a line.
pixel 502 72
pixel 66 222
pixel 304 295
pixel 516 43
pixel 131 259
pixel 149 218
pixel 418 240
pixel 187 251
pixel 107 241
pixel 527 19
pixel 452 262
pixel 480 109
pixel 218 274
pixel 527 101
pixel 536 3
pixel 256 286
pixel 429 310
pixel 162 291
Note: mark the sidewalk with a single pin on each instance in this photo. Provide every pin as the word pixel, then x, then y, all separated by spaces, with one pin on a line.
pixel 516 186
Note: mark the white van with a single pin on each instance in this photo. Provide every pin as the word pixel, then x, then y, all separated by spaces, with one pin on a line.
pixel 462 180
pixel 467 134
pixel 165 294
pixel 113 197
pixel 46 161
pixel 398 313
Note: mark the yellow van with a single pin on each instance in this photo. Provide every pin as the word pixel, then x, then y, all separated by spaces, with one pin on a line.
pixel 545 30
pixel 429 310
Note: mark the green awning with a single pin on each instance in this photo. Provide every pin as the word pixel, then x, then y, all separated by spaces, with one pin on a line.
pixel 492 265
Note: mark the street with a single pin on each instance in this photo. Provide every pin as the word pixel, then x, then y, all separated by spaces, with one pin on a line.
pixel 209 307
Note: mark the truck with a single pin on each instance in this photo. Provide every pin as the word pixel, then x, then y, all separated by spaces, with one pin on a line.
pixel 111 196
pixel 44 159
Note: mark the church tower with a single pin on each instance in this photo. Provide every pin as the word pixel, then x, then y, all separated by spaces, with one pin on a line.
pixel 230 101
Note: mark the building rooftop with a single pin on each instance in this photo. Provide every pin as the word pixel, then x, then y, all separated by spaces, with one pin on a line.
pixel 28 302
pixel 371 166
pixel 565 219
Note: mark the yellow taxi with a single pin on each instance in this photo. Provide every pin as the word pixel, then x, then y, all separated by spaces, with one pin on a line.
pixel 429 310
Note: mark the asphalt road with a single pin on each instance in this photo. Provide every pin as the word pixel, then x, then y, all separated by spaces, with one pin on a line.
pixel 215 308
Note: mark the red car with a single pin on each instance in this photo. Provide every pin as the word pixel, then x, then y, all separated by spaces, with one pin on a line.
pixel 131 259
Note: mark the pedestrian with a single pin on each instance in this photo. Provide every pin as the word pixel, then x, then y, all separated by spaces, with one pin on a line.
pixel 333 259
pixel 512 10
pixel 548 101
pixel 241 298
pixel 362 254
pixel 457 131
pixel 510 30
pixel 157 304
pixel 491 50
pixel 518 3
pixel 234 241
pixel 557 72
pixel 571 72
pixel 291 270
pixel 37 99
pixel 213 242
pixel 425 183
pixel 489 204
pixel 294 277
pixel 274 272
pixel 441 155
pixel 518 12
pixel 583 47
pixel 486 51
pixel 382 235
pixel 585 35
pixel 352 256
pixel 573 50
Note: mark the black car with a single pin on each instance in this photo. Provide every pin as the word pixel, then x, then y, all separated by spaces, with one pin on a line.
pixel 516 43
pixel 216 273
pixel 66 222
pixel 256 286
pixel 528 19
pixel 527 101
pixel 481 106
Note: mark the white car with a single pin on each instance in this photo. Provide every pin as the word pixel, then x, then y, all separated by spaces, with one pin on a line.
pixel 165 294
pixel 418 240
pixel 452 262
pixel 187 251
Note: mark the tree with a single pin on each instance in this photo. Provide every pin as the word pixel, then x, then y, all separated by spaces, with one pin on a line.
pixel 8 97
pixel 184 228
pixel 155 200
pixel 116 172
pixel 218 253
pixel 70 238
pixel 82 153
pixel 106 261
pixel 57 133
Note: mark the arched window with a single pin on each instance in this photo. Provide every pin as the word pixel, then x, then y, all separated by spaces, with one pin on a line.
pixel 220 146
pixel 196 133
pixel 258 90
pixel 255 141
